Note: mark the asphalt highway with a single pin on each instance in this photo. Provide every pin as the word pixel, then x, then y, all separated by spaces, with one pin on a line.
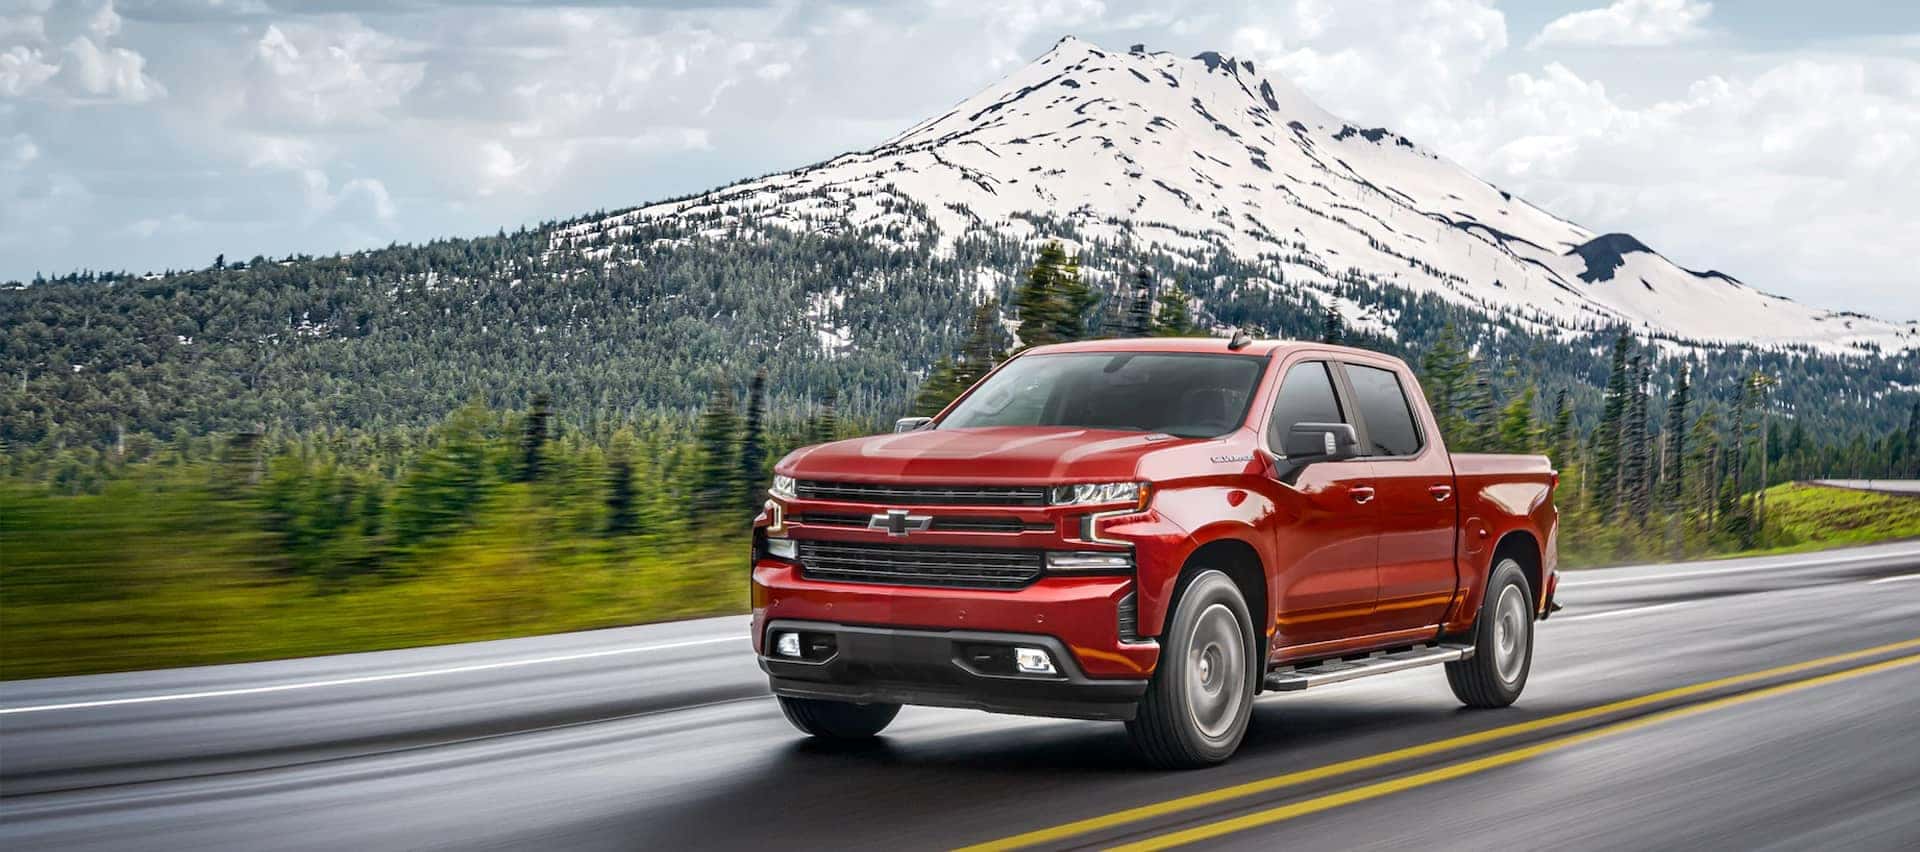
pixel 1754 703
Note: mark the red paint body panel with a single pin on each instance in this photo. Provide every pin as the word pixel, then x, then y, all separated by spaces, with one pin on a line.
pixel 1358 554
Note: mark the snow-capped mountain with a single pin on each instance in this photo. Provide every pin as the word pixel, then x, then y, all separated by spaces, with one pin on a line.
pixel 1192 156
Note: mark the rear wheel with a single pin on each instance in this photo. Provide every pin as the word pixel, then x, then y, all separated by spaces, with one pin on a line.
pixel 1503 642
pixel 1196 707
pixel 838 720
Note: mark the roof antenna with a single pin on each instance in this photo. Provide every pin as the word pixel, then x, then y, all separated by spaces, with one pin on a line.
pixel 1240 341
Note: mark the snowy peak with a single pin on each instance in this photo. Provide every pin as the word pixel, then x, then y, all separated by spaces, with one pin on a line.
pixel 1190 157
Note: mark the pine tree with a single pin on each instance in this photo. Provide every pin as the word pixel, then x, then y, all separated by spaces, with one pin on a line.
pixel 719 439
pixel 940 388
pixel 1139 322
pixel 1446 374
pixel 1637 477
pixel 984 348
pixel 1560 436
pixel 1332 329
pixel 1517 432
pixel 1703 463
pixel 753 439
pixel 1673 483
pixel 1175 315
pixel 1913 441
pixel 1038 301
pixel 1607 436
pixel 1481 413
pixel 1077 300
pixel 622 510
pixel 533 440
pixel 824 425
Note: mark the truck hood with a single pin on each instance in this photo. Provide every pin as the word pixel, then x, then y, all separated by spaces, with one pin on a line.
pixel 1018 455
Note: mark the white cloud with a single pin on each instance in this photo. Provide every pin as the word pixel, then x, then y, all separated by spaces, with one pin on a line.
pixel 328 73
pixel 113 74
pixel 1628 23
pixel 1379 62
pixel 23 69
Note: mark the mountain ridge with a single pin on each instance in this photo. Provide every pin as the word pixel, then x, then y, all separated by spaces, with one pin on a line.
pixel 1187 156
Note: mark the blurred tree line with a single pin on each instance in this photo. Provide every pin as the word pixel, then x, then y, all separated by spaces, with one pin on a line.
pixel 553 432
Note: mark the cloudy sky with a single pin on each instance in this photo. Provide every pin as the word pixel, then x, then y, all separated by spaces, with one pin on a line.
pixel 1778 140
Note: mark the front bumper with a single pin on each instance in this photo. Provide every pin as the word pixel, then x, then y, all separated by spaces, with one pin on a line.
pixel 938 668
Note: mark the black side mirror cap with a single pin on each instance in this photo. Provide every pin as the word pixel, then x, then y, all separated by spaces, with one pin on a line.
pixel 1316 442
pixel 1312 443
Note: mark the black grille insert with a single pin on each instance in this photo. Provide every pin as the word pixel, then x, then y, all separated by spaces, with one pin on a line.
pixel 911 565
pixel 923 495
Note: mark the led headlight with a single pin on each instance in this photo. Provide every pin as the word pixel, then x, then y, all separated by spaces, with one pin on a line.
pixel 1088 562
pixel 782 487
pixel 1100 494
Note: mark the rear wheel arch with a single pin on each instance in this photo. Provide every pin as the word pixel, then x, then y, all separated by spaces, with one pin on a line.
pixel 1521 546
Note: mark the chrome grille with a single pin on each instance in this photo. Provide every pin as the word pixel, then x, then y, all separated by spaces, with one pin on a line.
pixel 939 523
pixel 911 565
pixel 923 495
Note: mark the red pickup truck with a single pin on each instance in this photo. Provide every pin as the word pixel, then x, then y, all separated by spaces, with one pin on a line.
pixel 1150 531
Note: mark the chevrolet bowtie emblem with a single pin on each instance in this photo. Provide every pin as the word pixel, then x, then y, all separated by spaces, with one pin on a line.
pixel 898 523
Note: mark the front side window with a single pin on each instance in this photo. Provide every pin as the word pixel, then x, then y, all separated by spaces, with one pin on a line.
pixel 1190 395
pixel 1383 407
pixel 1306 396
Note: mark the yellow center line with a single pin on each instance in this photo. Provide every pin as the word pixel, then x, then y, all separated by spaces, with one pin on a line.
pixel 1332 770
pixel 1468 767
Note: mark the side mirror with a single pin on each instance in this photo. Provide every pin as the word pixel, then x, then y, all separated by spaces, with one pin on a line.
pixel 911 424
pixel 1311 443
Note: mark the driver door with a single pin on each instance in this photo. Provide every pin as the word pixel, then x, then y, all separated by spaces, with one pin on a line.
pixel 1326 531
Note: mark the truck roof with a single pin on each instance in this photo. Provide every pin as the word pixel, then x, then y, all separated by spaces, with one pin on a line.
pixel 1210 345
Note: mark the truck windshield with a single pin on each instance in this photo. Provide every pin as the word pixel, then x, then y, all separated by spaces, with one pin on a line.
pixel 1190 395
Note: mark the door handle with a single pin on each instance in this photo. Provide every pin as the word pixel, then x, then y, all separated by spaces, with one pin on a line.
pixel 1361 493
pixel 1440 493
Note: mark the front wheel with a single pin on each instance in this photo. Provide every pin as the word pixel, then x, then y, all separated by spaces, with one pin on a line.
pixel 838 720
pixel 1196 707
pixel 1502 645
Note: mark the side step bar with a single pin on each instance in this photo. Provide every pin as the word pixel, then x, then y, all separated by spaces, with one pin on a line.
pixel 1336 671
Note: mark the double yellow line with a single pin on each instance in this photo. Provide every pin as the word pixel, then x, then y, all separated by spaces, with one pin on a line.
pixel 1454 770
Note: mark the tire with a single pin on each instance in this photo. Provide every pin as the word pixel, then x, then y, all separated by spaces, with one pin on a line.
pixel 1502 643
pixel 1196 707
pixel 838 720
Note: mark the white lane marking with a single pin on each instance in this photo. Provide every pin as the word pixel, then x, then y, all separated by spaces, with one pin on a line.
pixel 1632 610
pixel 1900 578
pixel 349 681
pixel 1574 580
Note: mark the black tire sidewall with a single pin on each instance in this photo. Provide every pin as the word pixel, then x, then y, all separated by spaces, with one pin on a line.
pixel 1506 573
pixel 1206 589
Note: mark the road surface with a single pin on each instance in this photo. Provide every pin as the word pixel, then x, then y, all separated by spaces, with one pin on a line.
pixel 1890 486
pixel 1755 703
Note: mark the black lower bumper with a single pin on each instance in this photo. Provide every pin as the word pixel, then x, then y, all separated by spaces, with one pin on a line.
pixel 941 668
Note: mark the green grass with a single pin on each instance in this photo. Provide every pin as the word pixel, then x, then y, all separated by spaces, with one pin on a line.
pixel 1816 517
pixel 88 586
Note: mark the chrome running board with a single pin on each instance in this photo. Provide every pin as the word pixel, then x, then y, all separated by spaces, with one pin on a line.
pixel 1336 671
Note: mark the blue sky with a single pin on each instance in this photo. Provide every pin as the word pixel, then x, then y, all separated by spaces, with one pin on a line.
pixel 1777 141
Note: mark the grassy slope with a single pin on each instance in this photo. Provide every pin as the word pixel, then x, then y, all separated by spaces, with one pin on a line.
pixel 1814 517
pixel 84 591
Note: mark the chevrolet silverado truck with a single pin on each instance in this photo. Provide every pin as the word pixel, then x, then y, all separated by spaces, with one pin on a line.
pixel 1149 531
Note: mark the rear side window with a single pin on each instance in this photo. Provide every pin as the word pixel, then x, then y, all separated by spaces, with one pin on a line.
pixel 1306 396
pixel 1383 407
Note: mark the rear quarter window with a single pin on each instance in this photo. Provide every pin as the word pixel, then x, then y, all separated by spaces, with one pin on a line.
pixel 1385 410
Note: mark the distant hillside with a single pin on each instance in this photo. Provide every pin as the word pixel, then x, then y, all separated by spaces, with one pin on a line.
pixel 852 276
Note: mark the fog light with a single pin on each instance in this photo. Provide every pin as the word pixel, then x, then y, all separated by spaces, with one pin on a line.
pixel 1034 661
pixel 783 548
pixel 787 645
